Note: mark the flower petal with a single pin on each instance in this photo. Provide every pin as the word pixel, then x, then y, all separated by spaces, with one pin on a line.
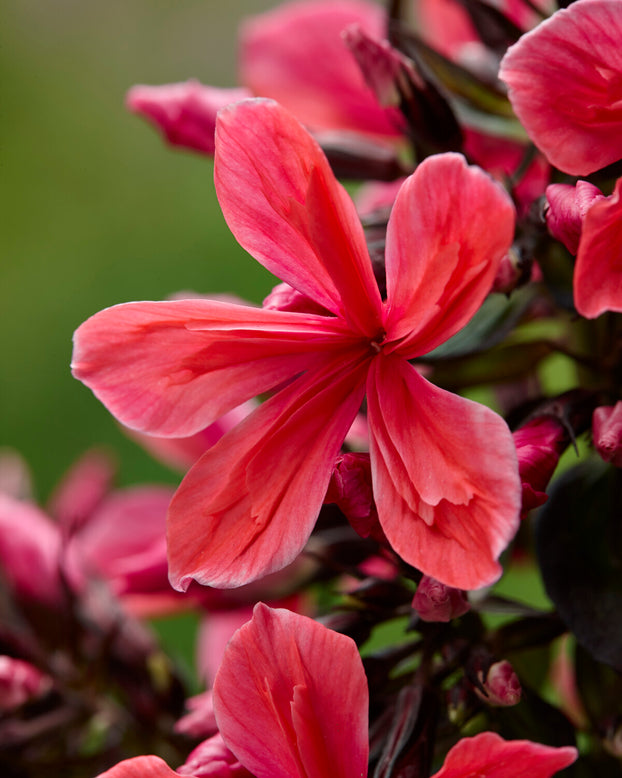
pixel 488 754
pixel 172 368
pixel 449 229
pixel 140 767
pixel 248 506
pixel 598 271
pixel 291 698
pixel 285 207
pixel 565 85
pixel 445 476
pixel 295 54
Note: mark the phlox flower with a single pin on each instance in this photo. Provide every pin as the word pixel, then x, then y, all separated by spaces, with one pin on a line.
pixel 444 469
pixel 564 82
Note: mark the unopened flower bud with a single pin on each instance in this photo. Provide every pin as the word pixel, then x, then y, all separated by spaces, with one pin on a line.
pixel 510 273
pixel 435 601
pixel 19 682
pixel 607 432
pixel 539 444
pixel 184 112
pixel 385 69
pixel 350 489
pixel 566 208
pixel 501 685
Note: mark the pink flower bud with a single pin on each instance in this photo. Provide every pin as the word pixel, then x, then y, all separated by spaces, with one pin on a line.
pixel 539 444
pixel 388 72
pixel 501 685
pixel 566 209
pixel 509 275
pixel 350 489
pixel 607 432
pixel 19 682
pixel 434 601
pixel 185 112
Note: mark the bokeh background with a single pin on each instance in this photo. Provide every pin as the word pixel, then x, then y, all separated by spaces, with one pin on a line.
pixel 97 211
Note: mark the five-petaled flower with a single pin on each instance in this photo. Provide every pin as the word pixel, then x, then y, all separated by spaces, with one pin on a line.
pixel 444 469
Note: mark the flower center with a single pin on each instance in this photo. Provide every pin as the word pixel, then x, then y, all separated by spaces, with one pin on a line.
pixel 376 343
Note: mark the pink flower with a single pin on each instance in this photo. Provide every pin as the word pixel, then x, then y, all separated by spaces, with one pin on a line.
pixel 489 755
pixel 291 699
pixel 213 759
pixel 564 82
pixel 293 54
pixel 566 208
pixel 607 432
pixel 444 469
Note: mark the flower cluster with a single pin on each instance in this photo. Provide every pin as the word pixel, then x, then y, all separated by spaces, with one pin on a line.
pixel 336 460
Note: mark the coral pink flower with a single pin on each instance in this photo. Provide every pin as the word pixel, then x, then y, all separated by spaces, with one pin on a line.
pixel 291 698
pixel 293 54
pixel 565 84
pixel 489 755
pixel 444 469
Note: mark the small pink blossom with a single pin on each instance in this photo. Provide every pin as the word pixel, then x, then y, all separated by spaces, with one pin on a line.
pixel 607 432
pixel 248 506
pixel 564 83
pixel 434 601
pixel 488 755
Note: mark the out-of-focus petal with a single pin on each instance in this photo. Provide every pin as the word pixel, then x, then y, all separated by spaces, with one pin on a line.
pixel 449 229
pixel 597 279
pixel 30 548
pixel 140 767
pixel 295 54
pixel 445 476
pixel 249 504
pixel 82 489
pixel 283 204
pixel 182 453
pixel 607 432
pixel 172 368
pixel 487 754
pixel 185 113
pixel 212 759
pixel 565 84
pixel 291 699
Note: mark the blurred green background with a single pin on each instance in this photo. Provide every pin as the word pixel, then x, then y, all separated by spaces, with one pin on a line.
pixel 97 210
